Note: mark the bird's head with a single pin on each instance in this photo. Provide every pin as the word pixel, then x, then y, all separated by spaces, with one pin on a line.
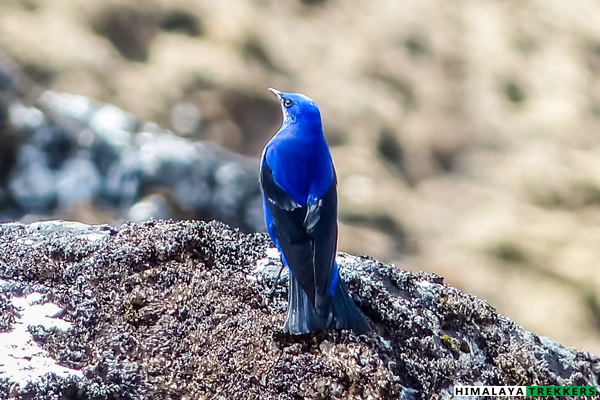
pixel 297 108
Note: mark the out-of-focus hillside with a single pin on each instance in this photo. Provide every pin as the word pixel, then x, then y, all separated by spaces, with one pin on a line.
pixel 466 134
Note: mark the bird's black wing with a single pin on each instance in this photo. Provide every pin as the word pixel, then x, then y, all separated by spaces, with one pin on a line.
pixel 307 236
pixel 321 225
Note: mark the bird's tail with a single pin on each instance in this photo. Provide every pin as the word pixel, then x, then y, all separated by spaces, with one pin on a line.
pixel 302 316
pixel 346 314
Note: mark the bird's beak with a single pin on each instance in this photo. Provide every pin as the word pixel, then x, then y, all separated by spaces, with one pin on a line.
pixel 275 92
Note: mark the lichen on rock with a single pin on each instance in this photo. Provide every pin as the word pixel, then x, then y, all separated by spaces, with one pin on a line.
pixel 179 310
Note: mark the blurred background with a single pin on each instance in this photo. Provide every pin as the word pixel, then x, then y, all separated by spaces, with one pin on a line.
pixel 466 134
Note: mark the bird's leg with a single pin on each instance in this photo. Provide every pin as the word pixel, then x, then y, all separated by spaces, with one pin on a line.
pixel 275 282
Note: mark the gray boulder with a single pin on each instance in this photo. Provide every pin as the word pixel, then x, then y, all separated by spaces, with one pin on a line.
pixel 179 310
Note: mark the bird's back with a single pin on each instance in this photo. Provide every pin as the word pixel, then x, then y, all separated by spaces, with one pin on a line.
pixel 301 164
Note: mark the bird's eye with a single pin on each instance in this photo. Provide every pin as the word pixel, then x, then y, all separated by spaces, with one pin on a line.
pixel 287 103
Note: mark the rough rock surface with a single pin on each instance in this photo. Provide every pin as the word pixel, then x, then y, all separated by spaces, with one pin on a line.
pixel 177 310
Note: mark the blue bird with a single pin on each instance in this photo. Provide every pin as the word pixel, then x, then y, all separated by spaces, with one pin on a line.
pixel 299 188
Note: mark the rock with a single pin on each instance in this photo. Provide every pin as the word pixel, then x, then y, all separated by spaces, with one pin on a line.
pixel 153 206
pixel 53 141
pixel 168 309
pixel 78 182
pixel 11 86
pixel 32 183
pixel 25 118
pixel 73 150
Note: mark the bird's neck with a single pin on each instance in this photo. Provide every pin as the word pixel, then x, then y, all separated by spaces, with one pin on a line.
pixel 304 121
pixel 304 130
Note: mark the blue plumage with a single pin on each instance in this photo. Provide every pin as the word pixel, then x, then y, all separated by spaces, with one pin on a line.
pixel 299 188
